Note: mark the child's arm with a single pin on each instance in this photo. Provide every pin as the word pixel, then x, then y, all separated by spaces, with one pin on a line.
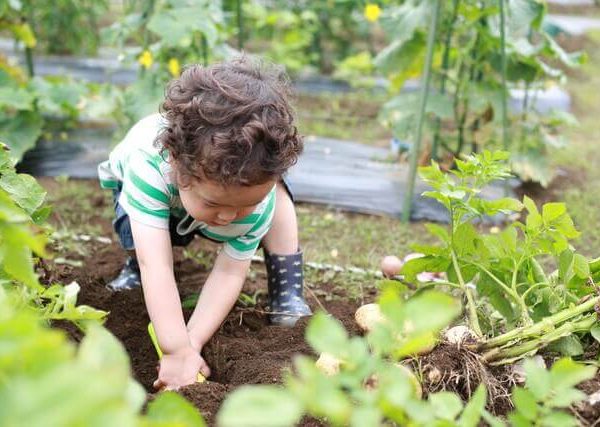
pixel 218 296
pixel 181 362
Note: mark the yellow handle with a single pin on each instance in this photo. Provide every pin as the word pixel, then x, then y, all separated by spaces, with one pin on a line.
pixel 152 334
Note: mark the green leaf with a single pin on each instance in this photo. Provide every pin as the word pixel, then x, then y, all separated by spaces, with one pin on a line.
pixel 413 267
pixel 171 408
pixel 16 98
pixel 559 419
pixel 566 373
pixel 446 405
pixel 471 415
pixel 24 190
pixel 20 132
pixel 568 346
pixel 366 416
pixel 325 334
pixel 581 267
pixel 263 405
pixel 400 54
pixel 525 403
pixel 551 211
pixel 538 379
pixel 595 331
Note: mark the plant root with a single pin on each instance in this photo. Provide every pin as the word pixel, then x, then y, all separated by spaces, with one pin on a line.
pixel 451 367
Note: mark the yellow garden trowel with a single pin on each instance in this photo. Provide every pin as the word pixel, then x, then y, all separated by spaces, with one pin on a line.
pixel 152 334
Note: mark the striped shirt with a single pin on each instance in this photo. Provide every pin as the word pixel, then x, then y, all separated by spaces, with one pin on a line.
pixel 150 195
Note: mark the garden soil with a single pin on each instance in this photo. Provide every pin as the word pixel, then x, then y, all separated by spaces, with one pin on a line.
pixel 245 350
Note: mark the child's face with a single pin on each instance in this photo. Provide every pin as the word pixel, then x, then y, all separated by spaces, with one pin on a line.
pixel 216 205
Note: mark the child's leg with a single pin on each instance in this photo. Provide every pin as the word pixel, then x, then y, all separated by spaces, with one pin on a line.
pixel 283 261
pixel 129 277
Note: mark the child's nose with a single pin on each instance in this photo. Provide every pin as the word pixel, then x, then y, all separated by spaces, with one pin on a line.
pixel 228 215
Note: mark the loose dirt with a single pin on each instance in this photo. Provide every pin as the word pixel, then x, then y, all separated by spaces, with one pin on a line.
pixel 246 349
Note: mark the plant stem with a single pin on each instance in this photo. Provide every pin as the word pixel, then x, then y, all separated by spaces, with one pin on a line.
pixel 471 307
pixel 509 354
pixel 444 76
pixel 240 24
pixel 414 153
pixel 541 326
pixel 504 111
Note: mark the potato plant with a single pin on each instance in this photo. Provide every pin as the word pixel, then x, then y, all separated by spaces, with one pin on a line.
pixel 366 381
pixel 499 273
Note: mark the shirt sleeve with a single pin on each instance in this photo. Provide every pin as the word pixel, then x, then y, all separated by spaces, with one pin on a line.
pixel 244 247
pixel 145 196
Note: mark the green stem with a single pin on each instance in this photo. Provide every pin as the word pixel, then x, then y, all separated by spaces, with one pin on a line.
pixel 444 76
pixel 540 327
pixel 504 111
pixel 471 307
pixel 240 24
pixel 514 352
pixel 414 153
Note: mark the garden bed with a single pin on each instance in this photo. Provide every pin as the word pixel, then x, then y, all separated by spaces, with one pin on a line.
pixel 246 350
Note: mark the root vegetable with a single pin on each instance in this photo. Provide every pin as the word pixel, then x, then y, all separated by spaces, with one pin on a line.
pixel 391 266
pixel 459 335
pixel 368 316
pixel 434 375
pixel 328 364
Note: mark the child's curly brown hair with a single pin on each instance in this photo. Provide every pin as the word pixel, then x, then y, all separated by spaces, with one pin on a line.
pixel 230 123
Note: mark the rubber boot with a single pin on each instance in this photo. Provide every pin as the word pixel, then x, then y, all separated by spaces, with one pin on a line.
pixel 128 278
pixel 285 282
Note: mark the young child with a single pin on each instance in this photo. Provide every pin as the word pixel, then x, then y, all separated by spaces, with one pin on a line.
pixel 211 164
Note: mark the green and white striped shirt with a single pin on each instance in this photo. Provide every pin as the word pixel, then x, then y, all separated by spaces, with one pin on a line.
pixel 150 196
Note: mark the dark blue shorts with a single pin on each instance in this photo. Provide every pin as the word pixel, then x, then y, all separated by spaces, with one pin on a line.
pixel 122 225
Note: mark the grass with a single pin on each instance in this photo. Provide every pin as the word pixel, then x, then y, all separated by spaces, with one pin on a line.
pixel 582 156
pixel 350 116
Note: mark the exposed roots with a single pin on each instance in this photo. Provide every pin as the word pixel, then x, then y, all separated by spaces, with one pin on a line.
pixel 451 367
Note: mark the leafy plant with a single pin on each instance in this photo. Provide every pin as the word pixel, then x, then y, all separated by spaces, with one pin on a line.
pixel 51 19
pixel 166 34
pixel 499 273
pixel 370 388
pixel 471 76
pixel 547 392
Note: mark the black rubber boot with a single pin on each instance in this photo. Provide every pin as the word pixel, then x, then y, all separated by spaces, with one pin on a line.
pixel 128 278
pixel 285 282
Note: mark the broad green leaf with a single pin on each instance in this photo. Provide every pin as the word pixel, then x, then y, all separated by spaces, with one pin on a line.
pixel 366 416
pixel 446 405
pixel 430 311
pixel 525 403
pixel 263 405
pixel 471 415
pixel 566 373
pixel 559 419
pixel 16 98
pixel 413 267
pixel 24 190
pixel 568 346
pixel 326 334
pixel 551 211
pixel 566 398
pixel 538 379
pixel 581 266
pixel 20 132
pixel 172 409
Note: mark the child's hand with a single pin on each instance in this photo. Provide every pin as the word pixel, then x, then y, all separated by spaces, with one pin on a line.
pixel 180 368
